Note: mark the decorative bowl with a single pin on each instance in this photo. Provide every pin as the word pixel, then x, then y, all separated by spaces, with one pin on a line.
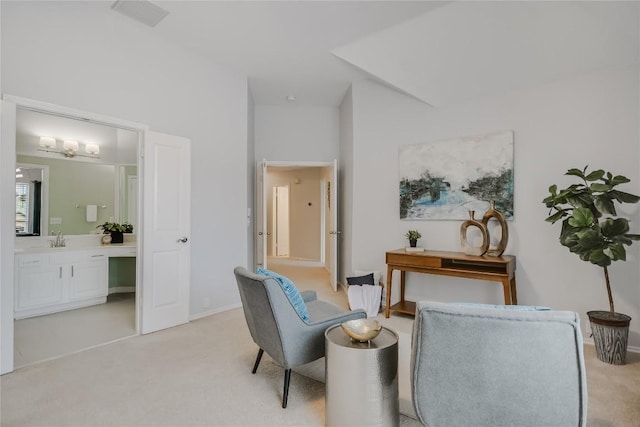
pixel 362 329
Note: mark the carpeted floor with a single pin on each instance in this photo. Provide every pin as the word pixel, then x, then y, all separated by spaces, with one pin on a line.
pixel 199 374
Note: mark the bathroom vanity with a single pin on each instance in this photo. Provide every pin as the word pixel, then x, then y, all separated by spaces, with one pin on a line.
pixel 48 280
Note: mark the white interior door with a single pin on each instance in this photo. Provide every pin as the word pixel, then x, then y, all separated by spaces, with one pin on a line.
pixel 334 231
pixel 7 231
pixel 281 231
pixel 165 231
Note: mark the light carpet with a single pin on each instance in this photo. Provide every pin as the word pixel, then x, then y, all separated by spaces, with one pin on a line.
pixel 199 374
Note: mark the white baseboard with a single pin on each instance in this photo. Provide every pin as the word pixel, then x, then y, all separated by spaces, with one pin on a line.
pixel 121 289
pixel 215 311
pixel 631 348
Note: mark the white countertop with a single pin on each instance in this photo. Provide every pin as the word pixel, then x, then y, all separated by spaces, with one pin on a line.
pixel 42 244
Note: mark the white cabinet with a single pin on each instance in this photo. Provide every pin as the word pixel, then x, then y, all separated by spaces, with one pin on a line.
pixel 88 279
pixel 38 283
pixel 51 282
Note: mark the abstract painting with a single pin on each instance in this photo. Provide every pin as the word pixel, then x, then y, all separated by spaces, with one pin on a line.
pixel 446 179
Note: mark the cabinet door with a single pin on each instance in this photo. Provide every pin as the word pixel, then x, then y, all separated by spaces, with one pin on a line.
pixel 39 286
pixel 88 279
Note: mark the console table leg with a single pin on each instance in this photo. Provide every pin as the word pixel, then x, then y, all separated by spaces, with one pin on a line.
pixel 387 309
pixel 506 286
pixel 514 295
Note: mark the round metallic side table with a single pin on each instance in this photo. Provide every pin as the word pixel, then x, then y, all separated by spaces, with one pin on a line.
pixel 361 379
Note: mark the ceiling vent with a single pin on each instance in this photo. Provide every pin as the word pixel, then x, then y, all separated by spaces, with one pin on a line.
pixel 141 10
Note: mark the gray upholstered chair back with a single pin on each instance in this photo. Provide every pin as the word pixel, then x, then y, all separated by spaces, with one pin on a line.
pixel 256 293
pixel 474 366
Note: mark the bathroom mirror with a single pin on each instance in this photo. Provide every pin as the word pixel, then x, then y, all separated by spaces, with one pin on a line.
pixel 75 174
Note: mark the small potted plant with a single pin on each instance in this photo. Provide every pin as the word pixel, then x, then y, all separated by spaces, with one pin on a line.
pixel 413 236
pixel 592 229
pixel 116 230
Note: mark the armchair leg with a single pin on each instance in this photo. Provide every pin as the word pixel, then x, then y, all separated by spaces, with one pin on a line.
pixel 285 394
pixel 255 365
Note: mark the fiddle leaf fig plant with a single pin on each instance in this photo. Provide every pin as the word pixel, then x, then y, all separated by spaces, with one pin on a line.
pixel 591 226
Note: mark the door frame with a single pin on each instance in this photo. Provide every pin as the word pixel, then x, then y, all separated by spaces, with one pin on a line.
pixel 261 222
pixel 7 154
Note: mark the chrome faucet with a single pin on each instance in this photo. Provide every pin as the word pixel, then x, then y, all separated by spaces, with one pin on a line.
pixel 59 241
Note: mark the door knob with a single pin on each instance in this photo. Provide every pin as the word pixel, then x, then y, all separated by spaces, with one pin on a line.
pixel 182 240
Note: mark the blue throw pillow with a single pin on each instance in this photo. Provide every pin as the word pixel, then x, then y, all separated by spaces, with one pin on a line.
pixel 290 291
pixel 505 307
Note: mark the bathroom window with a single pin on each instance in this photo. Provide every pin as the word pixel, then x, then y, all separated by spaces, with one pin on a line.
pixel 22 208
pixel 28 208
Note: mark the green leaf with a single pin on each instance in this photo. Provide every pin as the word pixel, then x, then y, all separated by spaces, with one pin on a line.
pixel 553 189
pixel 616 252
pixel 575 172
pixel 595 175
pixel 619 179
pixel 614 227
pixel 591 239
pixel 556 216
pixel 577 200
pixel 582 217
pixel 598 257
pixel 600 188
pixel 623 197
pixel 604 204
pixel 621 239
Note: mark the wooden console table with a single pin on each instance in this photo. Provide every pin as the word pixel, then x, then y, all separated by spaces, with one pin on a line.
pixel 495 269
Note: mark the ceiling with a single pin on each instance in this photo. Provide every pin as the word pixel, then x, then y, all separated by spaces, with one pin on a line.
pixel 438 52
pixel 284 47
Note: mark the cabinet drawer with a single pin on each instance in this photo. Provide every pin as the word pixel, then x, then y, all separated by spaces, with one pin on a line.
pixel 64 257
pixel 29 260
pixel 414 260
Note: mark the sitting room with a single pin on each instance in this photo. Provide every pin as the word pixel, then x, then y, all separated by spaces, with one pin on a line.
pixel 501 136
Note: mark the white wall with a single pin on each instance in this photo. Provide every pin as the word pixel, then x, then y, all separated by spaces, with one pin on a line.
pixel 586 120
pixel 297 133
pixel 252 231
pixel 78 55
pixel 346 187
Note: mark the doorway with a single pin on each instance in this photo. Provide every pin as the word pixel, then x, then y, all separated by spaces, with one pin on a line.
pixel 58 200
pixel 162 268
pixel 312 215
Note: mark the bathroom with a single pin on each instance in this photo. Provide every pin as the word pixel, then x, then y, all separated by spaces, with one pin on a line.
pixel 72 176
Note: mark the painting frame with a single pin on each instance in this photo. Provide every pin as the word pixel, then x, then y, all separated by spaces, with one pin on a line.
pixel 445 179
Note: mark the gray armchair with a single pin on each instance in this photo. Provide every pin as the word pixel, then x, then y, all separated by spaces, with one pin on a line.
pixel 277 328
pixel 495 367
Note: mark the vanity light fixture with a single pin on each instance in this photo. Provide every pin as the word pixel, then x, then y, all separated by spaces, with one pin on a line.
pixel 69 147
pixel 47 142
pixel 92 149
